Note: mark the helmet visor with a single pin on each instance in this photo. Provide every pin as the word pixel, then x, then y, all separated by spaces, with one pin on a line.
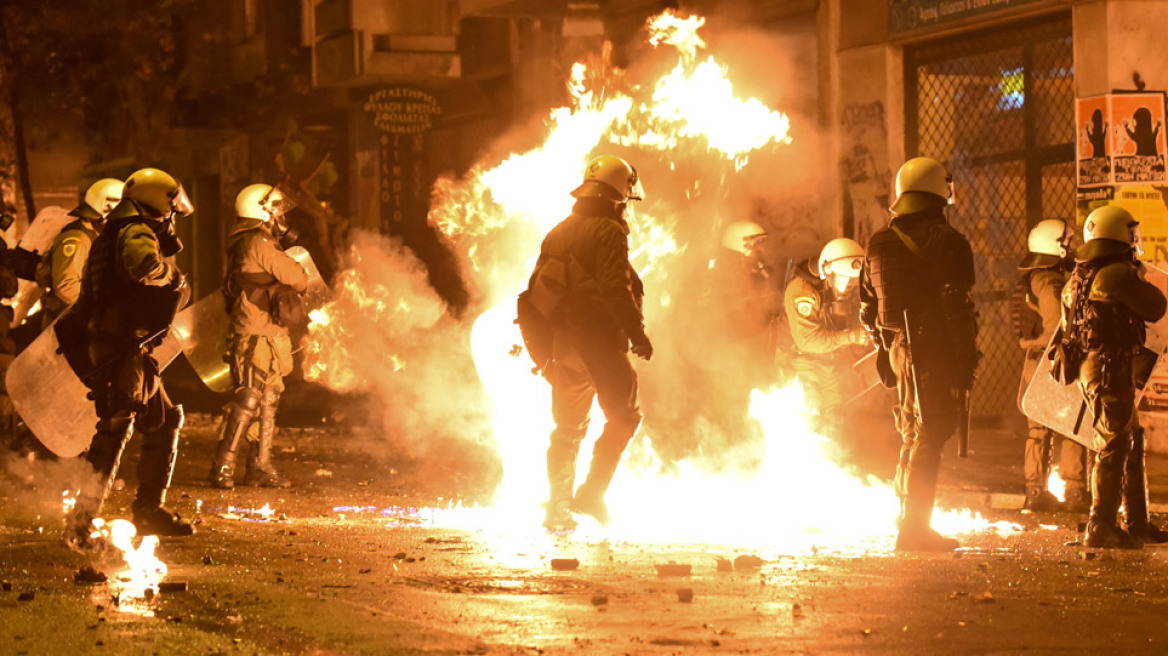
pixel 276 203
pixel 180 203
pixel 636 191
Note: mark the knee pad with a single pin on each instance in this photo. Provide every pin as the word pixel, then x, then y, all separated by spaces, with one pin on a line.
pixel 247 398
pixel 271 395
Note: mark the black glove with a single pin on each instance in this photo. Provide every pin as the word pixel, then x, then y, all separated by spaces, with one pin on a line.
pixel 642 347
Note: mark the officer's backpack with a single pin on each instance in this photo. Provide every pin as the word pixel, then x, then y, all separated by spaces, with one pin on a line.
pixel 539 307
pixel 1026 321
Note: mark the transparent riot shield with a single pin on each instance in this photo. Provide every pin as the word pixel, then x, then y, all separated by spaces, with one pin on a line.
pixel 203 327
pixel 51 399
pixel 1061 407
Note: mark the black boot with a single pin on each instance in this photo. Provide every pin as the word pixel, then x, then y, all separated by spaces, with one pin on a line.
pixel 1078 500
pixel 914 532
pixel 242 411
pixel 1040 500
pixel 155 467
pixel 260 470
pixel 105 455
pixel 1103 531
pixel 561 471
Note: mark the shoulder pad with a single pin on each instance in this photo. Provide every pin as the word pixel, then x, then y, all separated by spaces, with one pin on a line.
pixel 1111 280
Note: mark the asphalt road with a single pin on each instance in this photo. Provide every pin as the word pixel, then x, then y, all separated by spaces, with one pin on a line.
pixel 350 563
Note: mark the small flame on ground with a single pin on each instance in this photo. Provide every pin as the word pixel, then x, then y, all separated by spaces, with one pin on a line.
pixel 1056 485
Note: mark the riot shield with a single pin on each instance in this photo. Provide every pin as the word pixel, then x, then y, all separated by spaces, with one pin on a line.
pixel 51 399
pixel 203 327
pixel 1061 407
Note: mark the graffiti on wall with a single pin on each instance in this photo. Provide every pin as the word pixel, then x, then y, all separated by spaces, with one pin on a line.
pixel 864 168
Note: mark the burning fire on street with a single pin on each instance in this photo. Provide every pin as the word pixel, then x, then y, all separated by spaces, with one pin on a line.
pixel 763 477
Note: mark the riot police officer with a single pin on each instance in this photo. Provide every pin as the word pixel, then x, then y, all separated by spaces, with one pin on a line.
pixel 823 316
pixel 1036 313
pixel 59 271
pixel 596 319
pixel 1105 306
pixel 130 293
pixel 261 279
pixel 915 302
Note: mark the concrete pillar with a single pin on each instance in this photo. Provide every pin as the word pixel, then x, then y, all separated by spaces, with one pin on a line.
pixel 1115 39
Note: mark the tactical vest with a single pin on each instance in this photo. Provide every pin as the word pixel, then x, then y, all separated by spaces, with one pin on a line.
pixel 256 286
pixel 1025 320
pixel 115 305
pixel 901 279
pixel 1110 328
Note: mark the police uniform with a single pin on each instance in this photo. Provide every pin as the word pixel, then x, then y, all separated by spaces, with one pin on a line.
pixel 1106 304
pixel 922 267
pixel 260 349
pixel 821 323
pixel 1043 287
pixel 130 292
pixel 62 267
pixel 591 352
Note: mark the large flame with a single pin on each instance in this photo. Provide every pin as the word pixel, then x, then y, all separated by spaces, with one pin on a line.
pixel 694 132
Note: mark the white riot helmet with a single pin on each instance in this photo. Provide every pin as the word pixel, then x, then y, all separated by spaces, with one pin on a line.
pixel 101 197
pixel 611 178
pixel 1115 223
pixel 740 236
pixel 153 194
pixel 263 203
pixel 1048 244
pixel 922 184
pixel 841 260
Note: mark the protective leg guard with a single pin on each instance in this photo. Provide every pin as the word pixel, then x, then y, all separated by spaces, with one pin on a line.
pixel 915 533
pixel 561 471
pixel 1135 496
pixel 260 471
pixel 105 454
pixel 1103 531
pixel 606 457
pixel 155 468
pixel 243 409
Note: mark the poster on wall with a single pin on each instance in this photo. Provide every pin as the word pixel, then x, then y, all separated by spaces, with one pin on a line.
pixel 1137 127
pixel 1093 141
pixel 401 116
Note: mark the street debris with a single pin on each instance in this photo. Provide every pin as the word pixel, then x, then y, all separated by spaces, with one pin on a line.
pixel 748 561
pixel 26 596
pixel 796 610
pixel 599 600
pixel 565 564
pixel 724 565
pixel 986 597
pixel 172 586
pixel 673 569
pixel 324 473
pixel 685 595
pixel 89 575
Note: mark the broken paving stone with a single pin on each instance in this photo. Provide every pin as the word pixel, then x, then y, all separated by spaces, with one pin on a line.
pixel 88 575
pixel 986 597
pixel 324 473
pixel 6 586
pixel 148 593
pixel 565 564
pixel 599 600
pixel 673 569
pixel 685 595
pixel 401 555
pixel 172 586
pixel 796 610
pixel 1089 555
pixel 724 565
pixel 748 561
pixel 26 596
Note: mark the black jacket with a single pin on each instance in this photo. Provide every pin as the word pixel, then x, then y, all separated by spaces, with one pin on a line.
pixel 608 302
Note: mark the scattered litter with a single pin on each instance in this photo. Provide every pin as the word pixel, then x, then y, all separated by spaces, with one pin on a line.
pixel 673 569
pixel 172 586
pixel 867 632
pixel 401 555
pixel 6 586
pixel 565 564
pixel 685 595
pixel 323 473
pixel 26 596
pixel 724 565
pixel 1089 555
pixel 986 597
pixel 796 610
pixel 599 600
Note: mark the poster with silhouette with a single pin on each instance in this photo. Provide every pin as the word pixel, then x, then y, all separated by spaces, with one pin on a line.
pixel 1093 141
pixel 1138 140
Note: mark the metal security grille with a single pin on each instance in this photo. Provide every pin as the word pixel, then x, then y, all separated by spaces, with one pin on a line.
pixel 997 108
